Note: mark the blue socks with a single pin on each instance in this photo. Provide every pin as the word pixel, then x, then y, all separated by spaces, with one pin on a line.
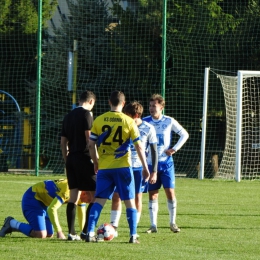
pixel 25 229
pixel 93 217
pixel 131 215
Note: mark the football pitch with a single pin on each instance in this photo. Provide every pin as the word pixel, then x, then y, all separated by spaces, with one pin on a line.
pixel 218 220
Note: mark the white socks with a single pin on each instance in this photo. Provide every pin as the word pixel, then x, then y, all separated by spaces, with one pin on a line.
pixel 115 217
pixel 172 204
pixel 154 207
pixel 153 211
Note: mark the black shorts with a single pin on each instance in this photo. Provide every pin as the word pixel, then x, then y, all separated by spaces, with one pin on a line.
pixel 80 172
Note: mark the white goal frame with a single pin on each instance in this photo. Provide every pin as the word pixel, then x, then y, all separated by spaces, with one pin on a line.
pixel 240 75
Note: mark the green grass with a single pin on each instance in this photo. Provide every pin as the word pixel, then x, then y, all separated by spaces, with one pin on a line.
pixel 218 219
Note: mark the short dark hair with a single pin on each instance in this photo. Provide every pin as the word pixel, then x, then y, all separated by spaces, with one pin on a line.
pixel 86 96
pixel 159 99
pixel 134 108
pixel 117 98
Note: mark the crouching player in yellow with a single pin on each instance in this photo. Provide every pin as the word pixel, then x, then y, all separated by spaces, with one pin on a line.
pixel 39 206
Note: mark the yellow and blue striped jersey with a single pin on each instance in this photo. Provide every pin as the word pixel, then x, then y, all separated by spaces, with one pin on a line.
pixel 112 132
pixel 46 191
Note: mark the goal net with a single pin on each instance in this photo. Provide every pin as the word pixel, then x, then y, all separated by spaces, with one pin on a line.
pixel 140 47
pixel 241 154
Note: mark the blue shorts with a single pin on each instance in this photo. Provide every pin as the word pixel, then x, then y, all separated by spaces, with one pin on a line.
pixel 108 179
pixel 165 176
pixel 140 184
pixel 35 212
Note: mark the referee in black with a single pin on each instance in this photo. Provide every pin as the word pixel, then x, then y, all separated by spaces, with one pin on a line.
pixel 75 134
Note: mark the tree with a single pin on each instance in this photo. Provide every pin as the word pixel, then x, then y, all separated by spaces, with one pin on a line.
pixel 18 48
pixel 86 24
pixel 18 28
pixel 22 15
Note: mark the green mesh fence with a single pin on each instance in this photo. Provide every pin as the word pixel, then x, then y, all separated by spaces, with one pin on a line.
pixel 108 45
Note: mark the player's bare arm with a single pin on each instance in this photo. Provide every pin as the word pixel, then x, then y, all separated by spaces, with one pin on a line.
pixel 64 147
pixel 93 154
pixel 87 135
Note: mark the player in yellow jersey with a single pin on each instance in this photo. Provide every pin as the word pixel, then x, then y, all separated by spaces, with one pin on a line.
pixel 111 135
pixel 149 140
pixel 39 205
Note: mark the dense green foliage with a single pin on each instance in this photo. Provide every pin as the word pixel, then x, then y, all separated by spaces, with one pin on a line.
pixel 18 48
pixel 22 15
pixel 120 48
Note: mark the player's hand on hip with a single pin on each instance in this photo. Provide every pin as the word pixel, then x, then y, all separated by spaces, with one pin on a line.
pixel 170 152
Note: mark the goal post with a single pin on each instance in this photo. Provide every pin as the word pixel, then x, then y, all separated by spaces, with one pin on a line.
pixel 241 153
pixel 204 123
pixel 240 83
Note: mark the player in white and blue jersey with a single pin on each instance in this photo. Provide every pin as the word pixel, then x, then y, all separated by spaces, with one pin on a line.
pixel 165 127
pixel 148 139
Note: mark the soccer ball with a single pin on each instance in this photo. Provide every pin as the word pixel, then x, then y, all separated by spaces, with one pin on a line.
pixel 106 231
